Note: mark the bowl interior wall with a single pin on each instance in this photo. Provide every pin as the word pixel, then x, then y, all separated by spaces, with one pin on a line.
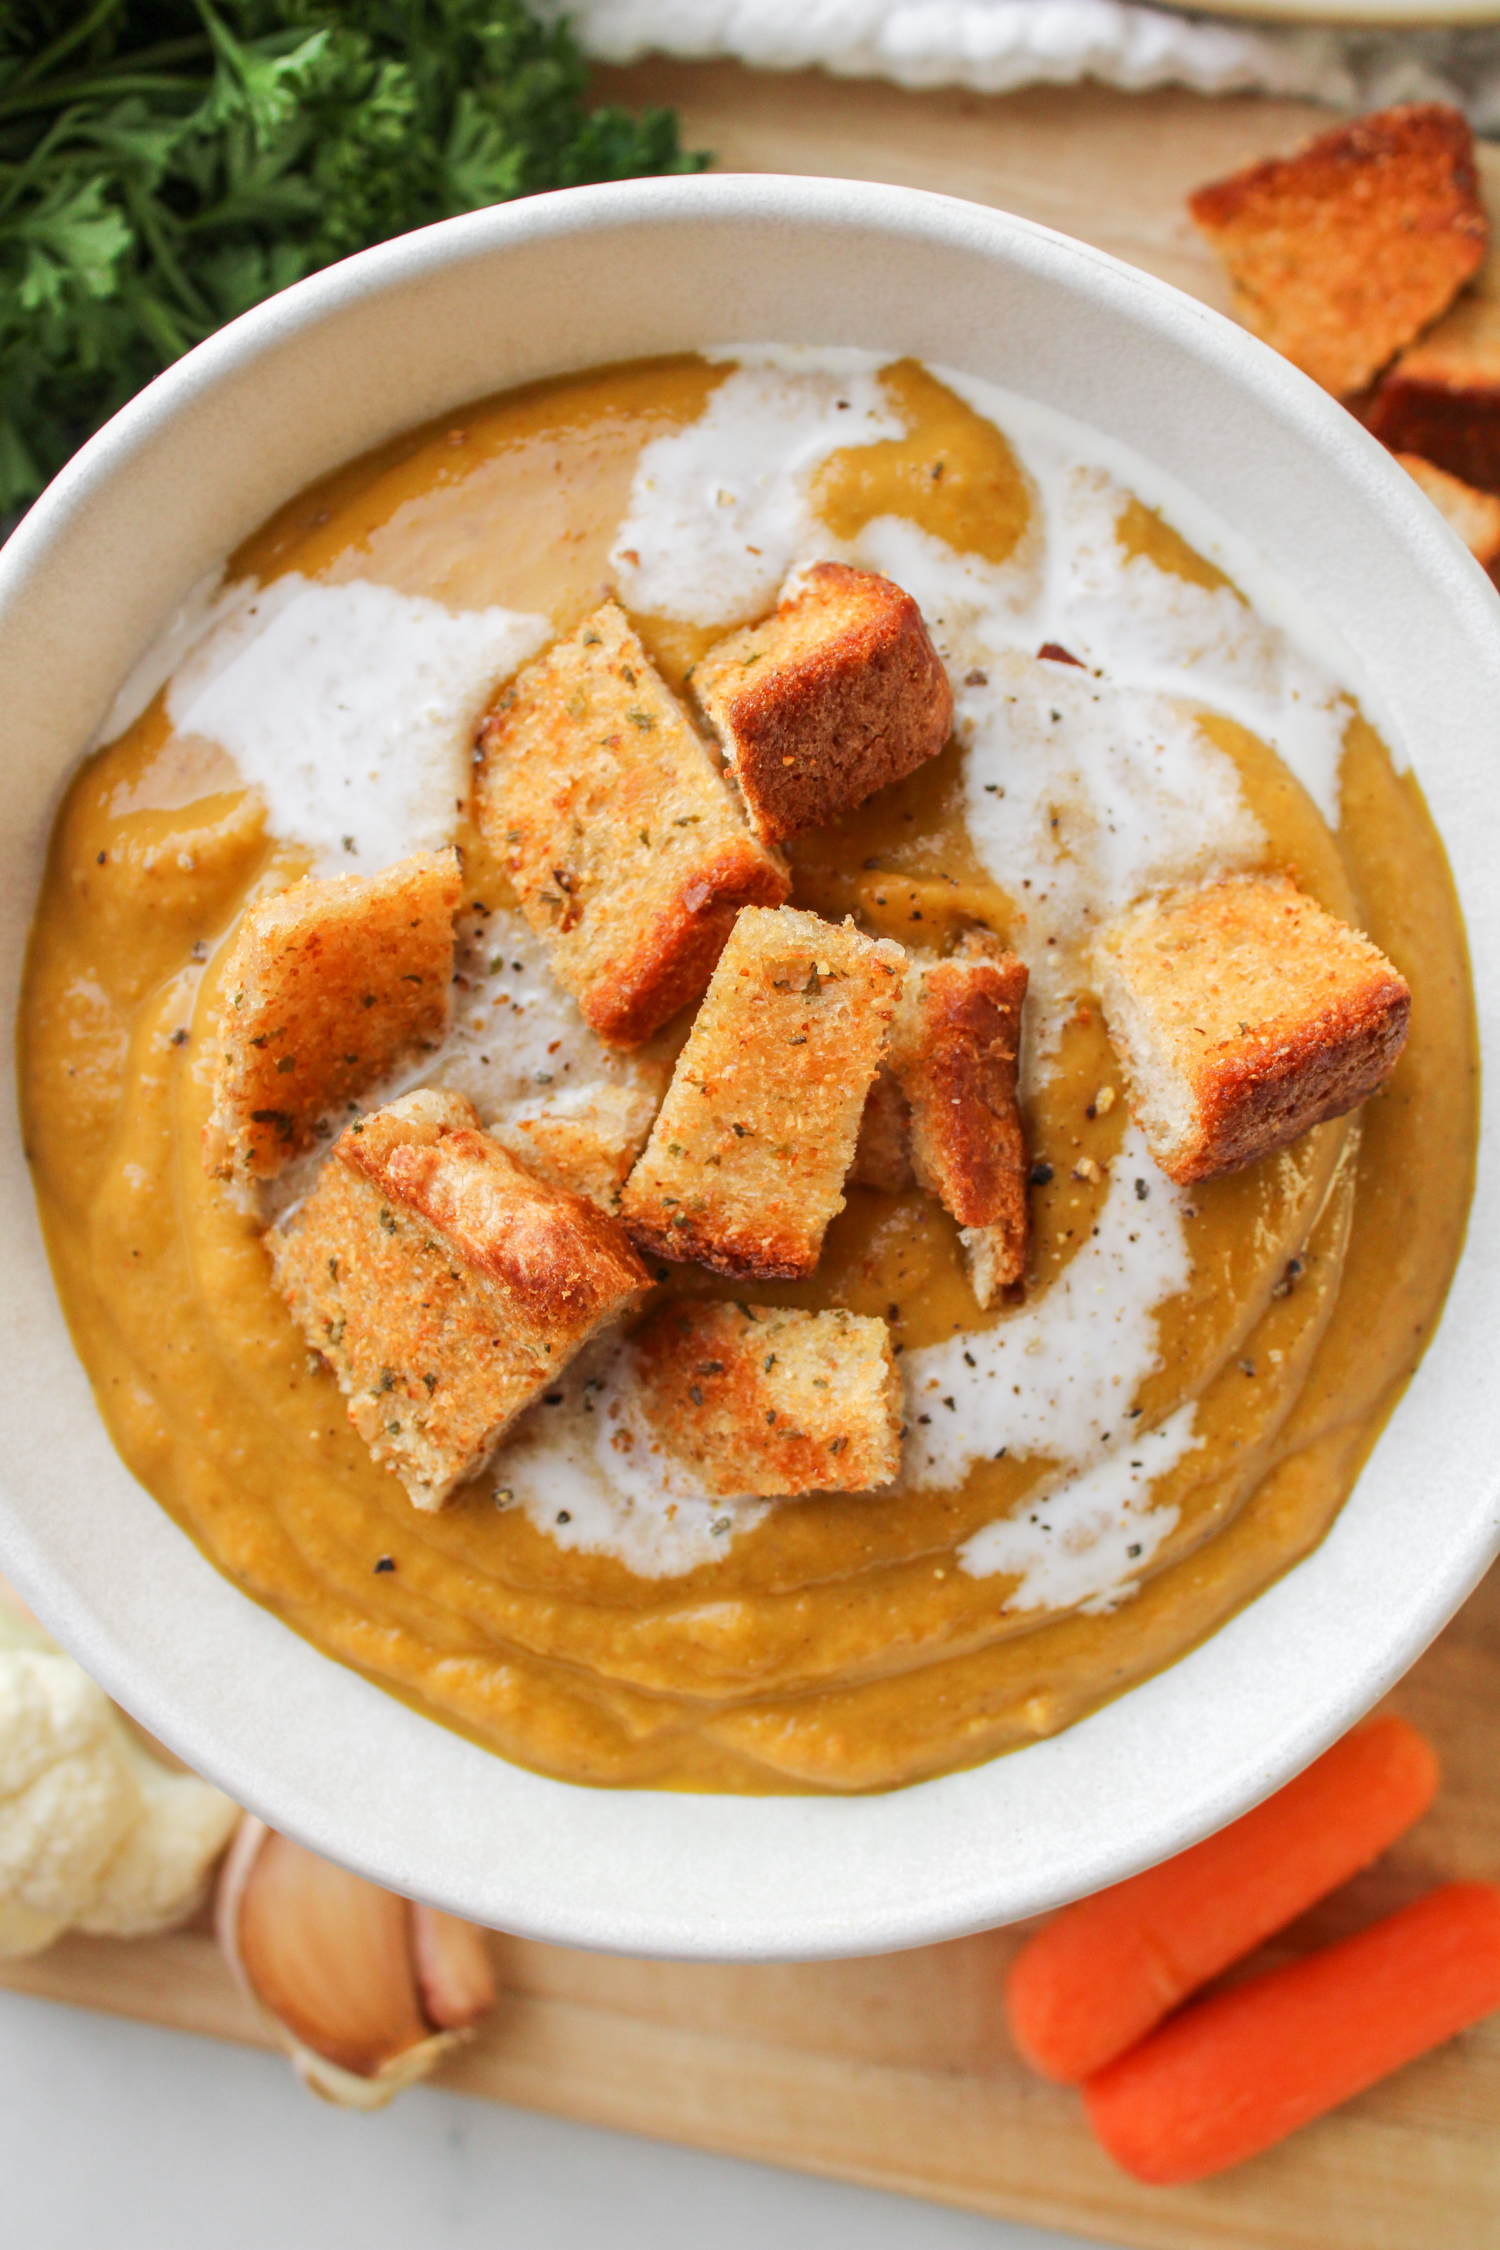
pixel 412 331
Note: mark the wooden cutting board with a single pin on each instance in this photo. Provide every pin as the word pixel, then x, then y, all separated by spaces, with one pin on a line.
pixel 895 2071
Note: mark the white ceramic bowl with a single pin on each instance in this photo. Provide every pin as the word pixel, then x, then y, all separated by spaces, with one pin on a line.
pixel 410 331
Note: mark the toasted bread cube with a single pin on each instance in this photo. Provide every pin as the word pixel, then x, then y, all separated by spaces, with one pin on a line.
pixel 1442 397
pixel 1343 253
pixel 837 694
pixel 328 986
pixel 747 1159
pixel 758 1400
pixel 629 856
pixel 882 1153
pixel 1243 1015
pixel 586 1141
pixel 444 1285
pixel 1475 516
pixel 955 1052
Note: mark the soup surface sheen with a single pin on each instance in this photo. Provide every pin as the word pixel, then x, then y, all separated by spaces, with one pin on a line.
pixel 1095 1475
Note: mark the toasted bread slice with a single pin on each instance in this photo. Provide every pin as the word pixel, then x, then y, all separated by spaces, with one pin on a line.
pixel 747 1159
pixel 1475 516
pixel 758 1400
pixel 837 694
pixel 444 1285
pixel 585 1142
pixel 1343 253
pixel 629 856
pixel 943 1113
pixel 1243 1015
pixel 1442 398
pixel 882 1154
pixel 328 986
pixel 956 1052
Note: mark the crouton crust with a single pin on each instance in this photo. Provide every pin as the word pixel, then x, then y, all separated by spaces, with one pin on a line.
pixel 747 1159
pixel 629 856
pixel 1475 516
pixel 955 1050
pixel 838 693
pixel 1441 400
pixel 882 1154
pixel 1342 253
pixel 1243 1015
pixel 586 1146
pixel 444 1285
pixel 328 986
pixel 759 1400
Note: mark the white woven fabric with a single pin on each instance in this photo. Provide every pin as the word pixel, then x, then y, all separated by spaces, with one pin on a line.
pixel 995 45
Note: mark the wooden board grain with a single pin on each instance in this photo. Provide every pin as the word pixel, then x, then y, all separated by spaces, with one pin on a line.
pixel 895 2072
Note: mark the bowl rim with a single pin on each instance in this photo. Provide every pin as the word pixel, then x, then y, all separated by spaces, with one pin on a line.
pixel 775 1877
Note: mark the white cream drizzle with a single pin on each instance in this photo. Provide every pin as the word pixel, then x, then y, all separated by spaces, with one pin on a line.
pixel 1079 796
pixel 1083 1545
pixel 1056 1378
pixel 351 708
pixel 518 1042
pixel 589 1474
pixel 718 511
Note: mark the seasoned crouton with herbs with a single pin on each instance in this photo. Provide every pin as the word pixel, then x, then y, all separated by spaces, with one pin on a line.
pixel 882 1153
pixel 955 1054
pixel 444 1285
pixel 838 693
pixel 758 1400
pixel 629 856
pixel 1243 1015
pixel 747 1159
pixel 328 987
pixel 1343 253
pixel 586 1141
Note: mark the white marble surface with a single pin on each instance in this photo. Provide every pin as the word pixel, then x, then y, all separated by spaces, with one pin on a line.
pixel 117 2133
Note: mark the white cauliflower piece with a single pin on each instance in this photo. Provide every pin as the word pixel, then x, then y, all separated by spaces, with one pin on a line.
pixel 94 1833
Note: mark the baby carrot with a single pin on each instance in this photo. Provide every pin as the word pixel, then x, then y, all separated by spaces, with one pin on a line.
pixel 1101 1973
pixel 1242 2069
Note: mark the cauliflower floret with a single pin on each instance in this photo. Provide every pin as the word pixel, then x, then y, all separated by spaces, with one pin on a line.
pixel 93 1832
pixel 158 1874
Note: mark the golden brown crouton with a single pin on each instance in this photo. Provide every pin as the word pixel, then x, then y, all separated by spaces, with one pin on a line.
pixel 1344 252
pixel 585 1142
pixel 746 1161
pixel 837 694
pixel 760 1400
pixel 1442 398
pixel 328 986
pixel 955 1051
pixel 444 1285
pixel 628 854
pixel 1475 516
pixel 943 1112
pixel 882 1154
pixel 1243 1015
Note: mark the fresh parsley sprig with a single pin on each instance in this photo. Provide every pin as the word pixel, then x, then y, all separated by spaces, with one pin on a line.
pixel 165 164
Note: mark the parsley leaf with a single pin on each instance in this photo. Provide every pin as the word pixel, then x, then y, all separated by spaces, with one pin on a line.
pixel 166 164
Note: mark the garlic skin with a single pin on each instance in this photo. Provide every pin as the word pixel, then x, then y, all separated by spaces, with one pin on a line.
pixel 365 1991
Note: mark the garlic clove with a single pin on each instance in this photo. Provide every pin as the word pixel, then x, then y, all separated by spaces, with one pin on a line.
pixel 455 1974
pixel 338 1972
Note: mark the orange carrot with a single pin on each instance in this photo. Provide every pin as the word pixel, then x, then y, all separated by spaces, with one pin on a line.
pixel 1242 2069
pixel 1101 1973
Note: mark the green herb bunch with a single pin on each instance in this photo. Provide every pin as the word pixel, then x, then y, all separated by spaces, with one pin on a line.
pixel 165 164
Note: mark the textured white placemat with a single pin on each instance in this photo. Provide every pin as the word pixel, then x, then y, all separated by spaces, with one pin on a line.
pixel 995 45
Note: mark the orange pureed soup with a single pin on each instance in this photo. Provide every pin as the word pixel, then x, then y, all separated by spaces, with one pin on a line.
pixel 1098 1470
